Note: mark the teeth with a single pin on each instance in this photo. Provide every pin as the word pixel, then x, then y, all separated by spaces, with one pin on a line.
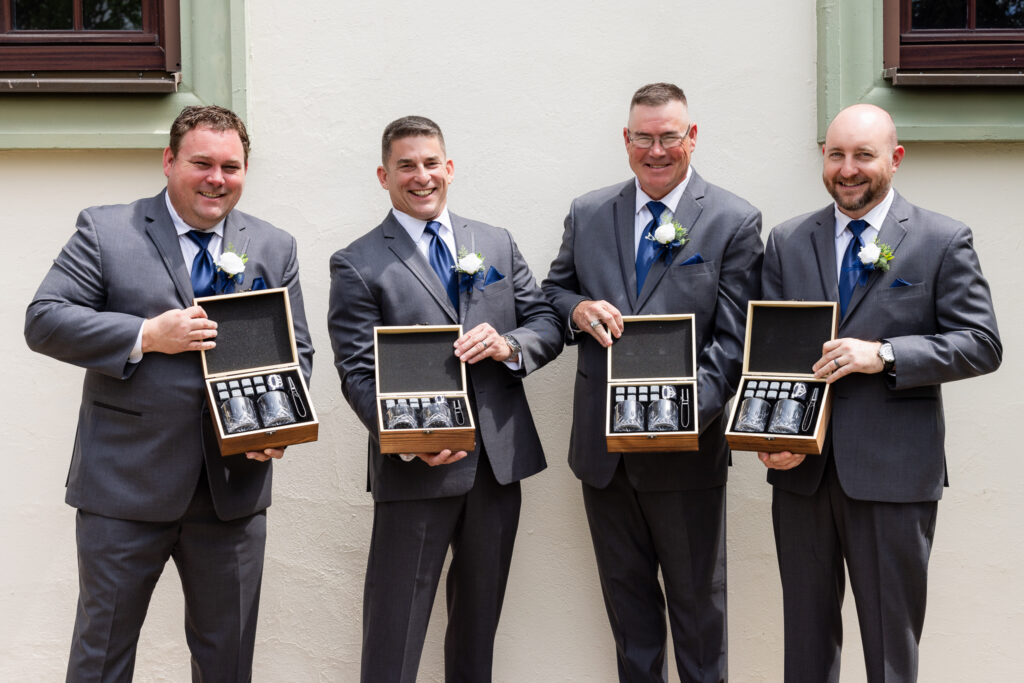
pixel 210 195
pixel 422 193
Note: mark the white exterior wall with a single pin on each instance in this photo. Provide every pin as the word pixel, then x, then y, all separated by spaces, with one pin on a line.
pixel 532 97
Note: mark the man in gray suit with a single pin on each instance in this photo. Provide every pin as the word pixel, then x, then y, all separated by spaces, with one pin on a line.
pixel 871 497
pixel 400 273
pixel 651 510
pixel 146 473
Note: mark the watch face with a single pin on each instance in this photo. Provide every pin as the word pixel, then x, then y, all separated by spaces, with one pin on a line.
pixel 885 353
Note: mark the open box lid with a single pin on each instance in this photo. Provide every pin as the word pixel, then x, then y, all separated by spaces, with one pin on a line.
pixel 418 359
pixel 654 348
pixel 785 337
pixel 254 332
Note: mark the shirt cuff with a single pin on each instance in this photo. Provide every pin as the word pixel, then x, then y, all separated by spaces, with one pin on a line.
pixel 136 355
pixel 407 457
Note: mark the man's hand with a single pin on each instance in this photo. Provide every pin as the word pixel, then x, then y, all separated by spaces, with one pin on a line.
pixel 445 457
pixel 179 330
pixel 840 357
pixel 266 454
pixel 781 461
pixel 599 319
pixel 483 341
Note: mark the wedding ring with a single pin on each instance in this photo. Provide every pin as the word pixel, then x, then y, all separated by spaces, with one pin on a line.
pixel 836 361
pixel 594 324
pixel 483 344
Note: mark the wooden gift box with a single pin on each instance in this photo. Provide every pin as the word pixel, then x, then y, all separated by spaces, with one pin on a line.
pixel 418 362
pixel 255 339
pixel 654 350
pixel 783 342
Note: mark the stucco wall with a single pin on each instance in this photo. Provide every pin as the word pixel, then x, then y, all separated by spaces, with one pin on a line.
pixel 532 97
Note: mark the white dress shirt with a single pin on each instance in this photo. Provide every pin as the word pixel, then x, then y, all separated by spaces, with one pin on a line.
pixel 189 249
pixel 874 218
pixel 643 214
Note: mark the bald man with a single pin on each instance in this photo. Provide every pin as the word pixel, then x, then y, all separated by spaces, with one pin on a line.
pixel 909 323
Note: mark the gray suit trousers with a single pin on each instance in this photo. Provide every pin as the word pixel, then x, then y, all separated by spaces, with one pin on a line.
pixel 813 535
pixel 221 568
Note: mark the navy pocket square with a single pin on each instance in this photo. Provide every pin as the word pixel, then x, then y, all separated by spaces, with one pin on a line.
pixel 899 282
pixel 493 275
pixel 258 284
pixel 693 260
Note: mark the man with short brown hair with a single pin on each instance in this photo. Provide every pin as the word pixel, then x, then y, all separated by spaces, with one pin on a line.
pixel 146 473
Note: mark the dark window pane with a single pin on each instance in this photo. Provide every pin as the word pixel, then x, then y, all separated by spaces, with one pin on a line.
pixel 1000 13
pixel 112 15
pixel 42 15
pixel 930 14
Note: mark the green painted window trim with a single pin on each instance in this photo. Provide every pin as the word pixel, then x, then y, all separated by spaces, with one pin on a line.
pixel 850 71
pixel 213 72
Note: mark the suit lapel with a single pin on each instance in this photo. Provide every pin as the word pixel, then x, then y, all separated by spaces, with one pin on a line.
pixel 891 233
pixel 402 246
pixel 463 240
pixel 623 223
pixel 823 242
pixel 161 230
pixel 687 213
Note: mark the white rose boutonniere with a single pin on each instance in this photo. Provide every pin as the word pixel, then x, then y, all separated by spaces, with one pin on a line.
pixel 470 268
pixel 875 256
pixel 230 271
pixel 669 235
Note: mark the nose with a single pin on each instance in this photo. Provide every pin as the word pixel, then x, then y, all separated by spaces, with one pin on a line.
pixel 848 167
pixel 215 176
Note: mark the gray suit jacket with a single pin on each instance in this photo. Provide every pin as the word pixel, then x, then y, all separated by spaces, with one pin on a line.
pixel 144 429
pixel 887 432
pixel 383 279
pixel 597 260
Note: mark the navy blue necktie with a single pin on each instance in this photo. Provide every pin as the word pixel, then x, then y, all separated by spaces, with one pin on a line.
pixel 202 265
pixel 647 252
pixel 850 272
pixel 442 262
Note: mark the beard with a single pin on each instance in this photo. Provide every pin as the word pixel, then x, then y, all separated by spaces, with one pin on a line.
pixel 872 194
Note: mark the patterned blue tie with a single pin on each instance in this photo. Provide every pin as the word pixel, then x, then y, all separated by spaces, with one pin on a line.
pixel 647 252
pixel 442 262
pixel 849 274
pixel 203 269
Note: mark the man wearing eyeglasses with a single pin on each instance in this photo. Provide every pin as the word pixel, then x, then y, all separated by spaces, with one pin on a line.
pixel 658 510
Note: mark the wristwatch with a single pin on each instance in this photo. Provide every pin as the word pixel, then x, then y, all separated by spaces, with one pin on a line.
pixel 514 346
pixel 887 356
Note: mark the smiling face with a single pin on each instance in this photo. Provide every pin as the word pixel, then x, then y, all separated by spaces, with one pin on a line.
pixel 861 156
pixel 417 175
pixel 658 169
pixel 205 178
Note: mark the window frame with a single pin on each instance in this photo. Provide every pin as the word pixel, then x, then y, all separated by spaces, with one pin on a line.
pixel 213 71
pixel 850 70
pixel 79 60
pixel 949 57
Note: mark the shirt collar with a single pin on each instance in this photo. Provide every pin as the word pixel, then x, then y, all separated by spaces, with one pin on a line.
pixel 182 227
pixel 671 200
pixel 415 226
pixel 875 217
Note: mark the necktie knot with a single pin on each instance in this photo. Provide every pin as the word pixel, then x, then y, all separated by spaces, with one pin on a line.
pixel 857 227
pixel 201 237
pixel 656 209
pixel 434 228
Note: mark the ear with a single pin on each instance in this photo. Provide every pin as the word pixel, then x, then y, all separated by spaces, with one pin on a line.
pixel 625 135
pixel 897 156
pixel 168 160
pixel 382 177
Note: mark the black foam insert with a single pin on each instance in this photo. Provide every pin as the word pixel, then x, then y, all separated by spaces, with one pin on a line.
pixel 653 348
pixel 252 332
pixel 787 339
pixel 418 362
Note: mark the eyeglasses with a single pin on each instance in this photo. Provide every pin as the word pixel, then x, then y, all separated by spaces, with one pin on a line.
pixel 667 141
